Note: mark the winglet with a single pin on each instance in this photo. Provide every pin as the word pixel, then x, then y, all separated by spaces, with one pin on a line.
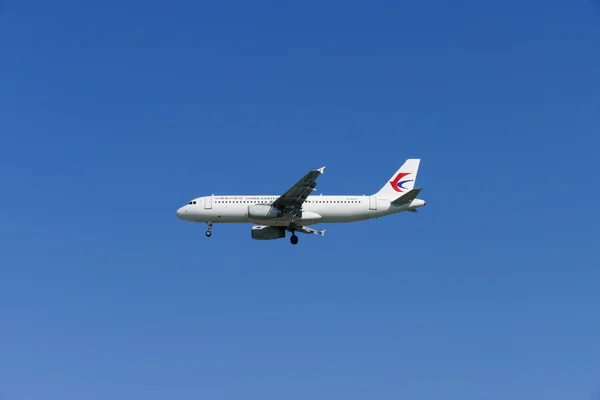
pixel 321 170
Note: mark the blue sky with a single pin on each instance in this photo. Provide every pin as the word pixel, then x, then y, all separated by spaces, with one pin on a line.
pixel 114 114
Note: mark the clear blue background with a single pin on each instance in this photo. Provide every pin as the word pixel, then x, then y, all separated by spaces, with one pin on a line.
pixel 113 114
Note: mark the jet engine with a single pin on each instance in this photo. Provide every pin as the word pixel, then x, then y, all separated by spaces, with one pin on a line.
pixel 260 232
pixel 263 211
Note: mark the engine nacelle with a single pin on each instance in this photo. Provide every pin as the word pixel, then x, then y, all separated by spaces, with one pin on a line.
pixel 263 211
pixel 260 232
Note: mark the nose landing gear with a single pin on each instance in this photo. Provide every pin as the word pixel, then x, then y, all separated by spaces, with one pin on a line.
pixel 209 231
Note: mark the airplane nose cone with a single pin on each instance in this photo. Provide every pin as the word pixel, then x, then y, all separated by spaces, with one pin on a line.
pixel 181 212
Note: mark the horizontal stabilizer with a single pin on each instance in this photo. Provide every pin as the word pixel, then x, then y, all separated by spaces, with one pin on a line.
pixel 406 198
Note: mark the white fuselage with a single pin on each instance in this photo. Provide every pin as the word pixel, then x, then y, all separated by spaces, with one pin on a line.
pixel 315 210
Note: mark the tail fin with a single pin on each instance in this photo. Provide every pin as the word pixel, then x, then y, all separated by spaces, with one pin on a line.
pixel 402 181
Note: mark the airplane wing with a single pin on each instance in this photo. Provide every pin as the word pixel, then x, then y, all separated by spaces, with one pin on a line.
pixel 309 231
pixel 297 194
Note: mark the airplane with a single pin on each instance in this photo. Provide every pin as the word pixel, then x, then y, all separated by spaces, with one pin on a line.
pixel 297 208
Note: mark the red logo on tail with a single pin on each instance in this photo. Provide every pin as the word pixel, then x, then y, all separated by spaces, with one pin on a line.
pixel 397 185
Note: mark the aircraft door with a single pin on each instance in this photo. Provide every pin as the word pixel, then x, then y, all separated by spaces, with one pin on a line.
pixel 208 202
pixel 372 203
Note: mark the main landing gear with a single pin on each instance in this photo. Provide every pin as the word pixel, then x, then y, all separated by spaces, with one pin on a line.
pixel 209 231
pixel 292 228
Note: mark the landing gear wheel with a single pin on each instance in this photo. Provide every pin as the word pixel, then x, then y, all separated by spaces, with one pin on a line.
pixel 209 231
pixel 294 239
